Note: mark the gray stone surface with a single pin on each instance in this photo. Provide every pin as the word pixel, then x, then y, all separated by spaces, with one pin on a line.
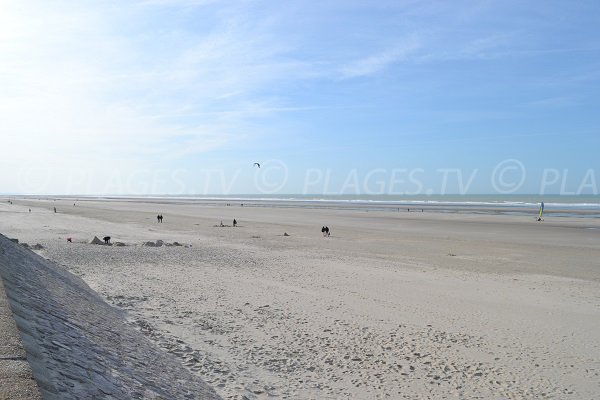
pixel 80 347
pixel 16 380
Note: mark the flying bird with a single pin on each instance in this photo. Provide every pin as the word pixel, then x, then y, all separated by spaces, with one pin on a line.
pixel 257 164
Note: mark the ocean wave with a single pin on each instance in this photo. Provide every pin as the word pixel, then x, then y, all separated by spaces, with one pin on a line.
pixel 389 202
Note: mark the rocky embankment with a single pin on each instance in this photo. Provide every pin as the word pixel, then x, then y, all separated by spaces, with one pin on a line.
pixel 80 347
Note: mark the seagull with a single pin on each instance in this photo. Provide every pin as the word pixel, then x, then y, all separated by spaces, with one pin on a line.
pixel 257 164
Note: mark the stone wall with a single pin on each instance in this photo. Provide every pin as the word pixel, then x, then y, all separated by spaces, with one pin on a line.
pixel 16 380
pixel 80 347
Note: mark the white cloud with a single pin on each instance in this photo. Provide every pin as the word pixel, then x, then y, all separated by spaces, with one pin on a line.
pixel 376 63
pixel 553 102
pixel 77 87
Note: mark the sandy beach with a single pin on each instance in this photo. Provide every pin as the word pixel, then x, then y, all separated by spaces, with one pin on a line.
pixel 392 305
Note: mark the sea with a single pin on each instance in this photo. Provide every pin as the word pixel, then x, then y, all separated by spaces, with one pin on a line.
pixel 586 206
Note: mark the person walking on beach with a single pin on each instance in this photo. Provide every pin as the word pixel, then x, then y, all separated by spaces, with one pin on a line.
pixel 327 231
pixel 161 218
pixel 158 218
pixel 234 223
pixel 54 209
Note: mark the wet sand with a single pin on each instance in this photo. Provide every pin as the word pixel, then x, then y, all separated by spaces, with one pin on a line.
pixel 392 305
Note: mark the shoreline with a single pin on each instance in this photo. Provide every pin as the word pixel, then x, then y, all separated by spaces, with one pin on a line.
pixel 567 209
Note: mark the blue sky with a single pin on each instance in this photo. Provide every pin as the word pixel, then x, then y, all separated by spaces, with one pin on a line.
pixel 347 97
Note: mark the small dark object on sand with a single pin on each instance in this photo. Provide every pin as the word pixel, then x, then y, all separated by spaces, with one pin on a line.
pixel 285 234
pixel 95 240
pixel 70 239
pixel 106 239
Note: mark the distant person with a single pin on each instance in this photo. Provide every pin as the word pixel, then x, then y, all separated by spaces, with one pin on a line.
pixel 323 230
pixel 161 218
pixel 70 239
pixel 234 223
pixel 55 209
pixel 106 239
pixel 327 231
pixel 158 218
pixel 221 225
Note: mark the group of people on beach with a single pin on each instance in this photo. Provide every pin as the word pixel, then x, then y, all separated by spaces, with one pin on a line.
pixel 325 231
pixel 159 218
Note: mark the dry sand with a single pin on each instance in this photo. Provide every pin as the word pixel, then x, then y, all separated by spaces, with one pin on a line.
pixel 392 305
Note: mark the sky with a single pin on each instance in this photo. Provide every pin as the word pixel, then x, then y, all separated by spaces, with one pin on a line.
pixel 396 97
